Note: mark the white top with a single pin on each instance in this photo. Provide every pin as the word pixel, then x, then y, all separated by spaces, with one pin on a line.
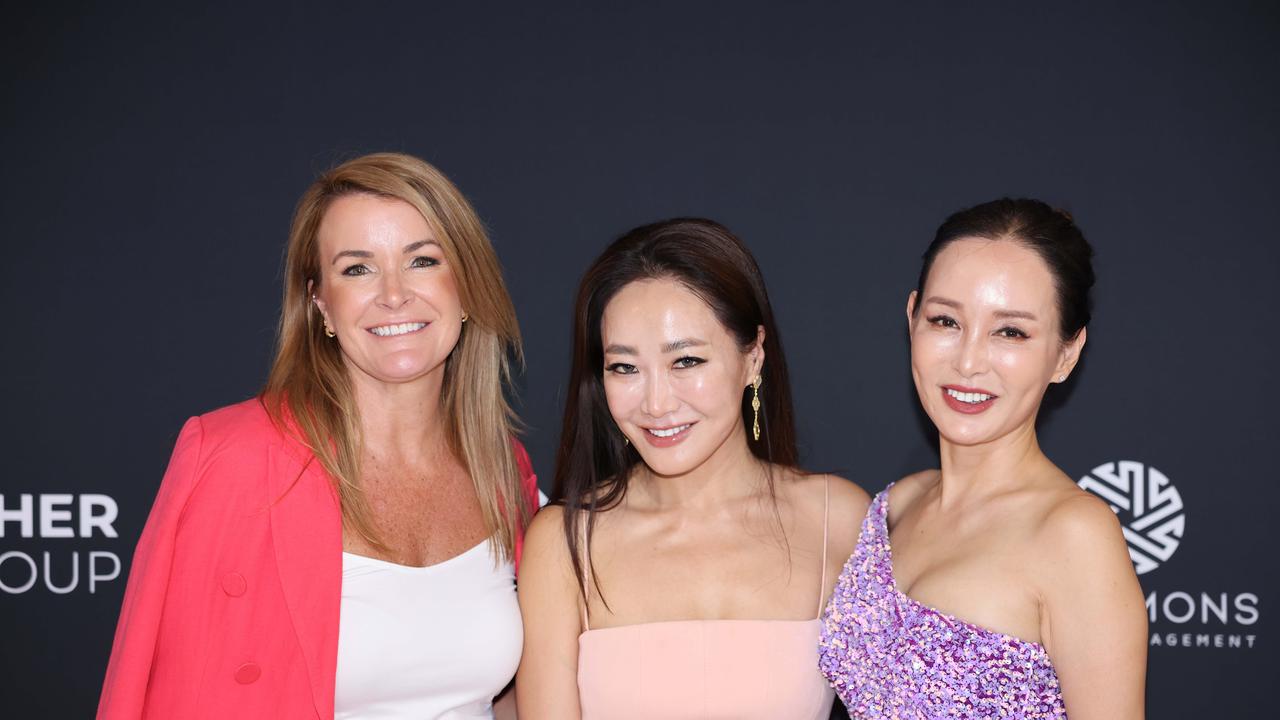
pixel 432 643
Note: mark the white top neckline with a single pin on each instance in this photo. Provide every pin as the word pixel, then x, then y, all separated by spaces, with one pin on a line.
pixel 358 560
pixel 436 642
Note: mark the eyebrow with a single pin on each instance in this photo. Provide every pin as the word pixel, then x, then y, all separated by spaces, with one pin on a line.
pixel 673 346
pixel 366 254
pixel 1020 314
pixel 1016 314
pixel 682 343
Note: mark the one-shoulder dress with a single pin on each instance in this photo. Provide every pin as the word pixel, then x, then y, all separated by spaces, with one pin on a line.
pixel 888 656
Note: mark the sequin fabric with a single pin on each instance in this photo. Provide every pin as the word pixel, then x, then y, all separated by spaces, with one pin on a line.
pixel 888 656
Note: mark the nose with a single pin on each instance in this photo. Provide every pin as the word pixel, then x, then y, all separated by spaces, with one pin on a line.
pixel 972 356
pixel 659 399
pixel 392 291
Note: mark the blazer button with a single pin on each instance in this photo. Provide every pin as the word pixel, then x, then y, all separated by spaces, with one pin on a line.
pixel 234 585
pixel 248 673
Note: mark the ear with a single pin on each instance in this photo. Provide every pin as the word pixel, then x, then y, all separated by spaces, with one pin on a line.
pixel 911 309
pixel 1069 356
pixel 311 284
pixel 756 356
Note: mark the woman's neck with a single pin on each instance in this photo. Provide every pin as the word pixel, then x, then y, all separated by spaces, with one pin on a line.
pixel 730 473
pixel 400 421
pixel 970 471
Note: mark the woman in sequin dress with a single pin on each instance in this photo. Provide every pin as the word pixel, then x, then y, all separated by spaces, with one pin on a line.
pixel 993 587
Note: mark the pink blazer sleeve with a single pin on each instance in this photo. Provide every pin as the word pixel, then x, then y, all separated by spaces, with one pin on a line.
pixel 124 692
pixel 529 481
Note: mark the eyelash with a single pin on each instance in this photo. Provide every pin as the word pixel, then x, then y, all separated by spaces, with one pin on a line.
pixel 1007 332
pixel 683 363
pixel 362 269
pixel 942 320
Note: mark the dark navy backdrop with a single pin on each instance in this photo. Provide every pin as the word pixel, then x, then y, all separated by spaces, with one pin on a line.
pixel 152 157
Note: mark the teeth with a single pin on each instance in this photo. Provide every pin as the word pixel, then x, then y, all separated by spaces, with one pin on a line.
pixel 669 432
pixel 401 329
pixel 968 397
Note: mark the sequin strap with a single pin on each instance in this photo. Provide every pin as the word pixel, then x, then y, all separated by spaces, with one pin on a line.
pixel 877 535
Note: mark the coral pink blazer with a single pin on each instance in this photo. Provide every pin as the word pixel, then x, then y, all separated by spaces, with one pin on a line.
pixel 231 609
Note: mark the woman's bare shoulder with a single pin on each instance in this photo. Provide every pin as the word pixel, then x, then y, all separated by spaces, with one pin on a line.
pixel 909 487
pixel 837 504
pixel 1077 519
pixel 819 490
pixel 544 541
pixel 847 497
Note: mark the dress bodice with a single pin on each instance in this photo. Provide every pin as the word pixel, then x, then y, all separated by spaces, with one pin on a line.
pixel 889 656
pixel 703 670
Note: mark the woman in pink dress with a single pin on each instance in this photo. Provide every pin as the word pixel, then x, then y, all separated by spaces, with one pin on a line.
pixel 681 570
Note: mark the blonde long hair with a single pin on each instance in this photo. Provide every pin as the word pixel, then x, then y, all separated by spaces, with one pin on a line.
pixel 309 383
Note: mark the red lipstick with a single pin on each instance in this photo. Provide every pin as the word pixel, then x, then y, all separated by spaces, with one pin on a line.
pixel 962 406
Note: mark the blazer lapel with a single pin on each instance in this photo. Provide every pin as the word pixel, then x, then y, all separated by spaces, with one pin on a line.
pixel 306 529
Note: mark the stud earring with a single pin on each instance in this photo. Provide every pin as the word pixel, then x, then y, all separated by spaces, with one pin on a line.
pixel 755 407
pixel 464 317
pixel 1062 378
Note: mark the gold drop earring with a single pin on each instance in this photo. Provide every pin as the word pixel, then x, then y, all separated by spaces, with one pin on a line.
pixel 328 331
pixel 755 407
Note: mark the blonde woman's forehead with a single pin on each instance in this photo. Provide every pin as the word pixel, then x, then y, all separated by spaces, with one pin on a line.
pixel 362 220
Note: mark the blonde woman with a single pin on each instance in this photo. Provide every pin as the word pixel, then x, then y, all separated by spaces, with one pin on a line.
pixel 344 544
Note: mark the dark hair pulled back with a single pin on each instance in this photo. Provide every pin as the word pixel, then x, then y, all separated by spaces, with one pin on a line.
pixel 593 462
pixel 1051 233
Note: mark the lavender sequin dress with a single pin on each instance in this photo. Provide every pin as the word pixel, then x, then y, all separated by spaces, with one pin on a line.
pixel 889 656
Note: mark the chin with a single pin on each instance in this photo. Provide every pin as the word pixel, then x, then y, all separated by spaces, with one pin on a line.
pixel 667 464
pixel 399 372
pixel 972 434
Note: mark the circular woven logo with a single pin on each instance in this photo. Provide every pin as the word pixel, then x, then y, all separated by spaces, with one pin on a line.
pixel 1149 507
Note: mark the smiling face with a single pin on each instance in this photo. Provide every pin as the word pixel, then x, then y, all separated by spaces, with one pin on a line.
pixel 985 340
pixel 674 376
pixel 386 289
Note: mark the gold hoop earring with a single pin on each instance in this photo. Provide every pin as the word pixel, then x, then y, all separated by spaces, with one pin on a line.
pixel 755 407
pixel 328 331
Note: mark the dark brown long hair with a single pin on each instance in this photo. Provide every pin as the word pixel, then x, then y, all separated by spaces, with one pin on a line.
pixel 593 463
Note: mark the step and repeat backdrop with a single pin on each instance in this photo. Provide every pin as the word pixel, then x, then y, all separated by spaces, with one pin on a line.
pixel 152 157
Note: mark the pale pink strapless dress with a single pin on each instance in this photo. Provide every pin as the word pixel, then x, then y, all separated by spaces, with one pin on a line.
pixel 705 669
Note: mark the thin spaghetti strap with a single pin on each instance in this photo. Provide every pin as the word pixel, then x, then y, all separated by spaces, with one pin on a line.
pixel 826 514
pixel 586 573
